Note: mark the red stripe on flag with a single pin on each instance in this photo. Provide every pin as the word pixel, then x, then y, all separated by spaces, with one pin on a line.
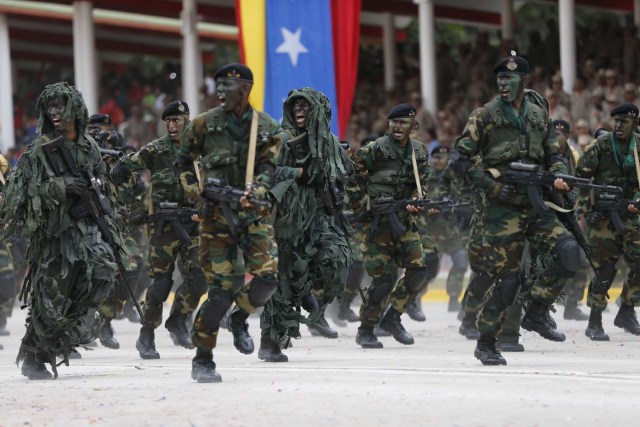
pixel 239 24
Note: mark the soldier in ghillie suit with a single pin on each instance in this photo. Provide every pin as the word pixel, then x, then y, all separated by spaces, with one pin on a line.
pixel 610 160
pixel 310 229
pixel 71 262
pixel 512 129
pixel 167 239
pixel 391 166
pixel 221 137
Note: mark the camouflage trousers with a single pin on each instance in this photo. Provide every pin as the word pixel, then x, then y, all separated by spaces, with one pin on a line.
pixel 8 285
pixel 218 258
pixel 506 229
pixel 316 265
pixel 480 258
pixel 451 241
pixel 165 249
pixel 384 252
pixel 351 287
pixel 607 247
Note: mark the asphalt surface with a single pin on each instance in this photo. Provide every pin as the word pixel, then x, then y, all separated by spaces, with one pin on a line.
pixel 437 381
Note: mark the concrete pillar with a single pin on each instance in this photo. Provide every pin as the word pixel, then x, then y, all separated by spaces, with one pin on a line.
pixel 636 16
pixel 191 70
pixel 84 54
pixel 427 55
pixel 506 19
pixel 7 134
pixel 389 50
pixel 567 22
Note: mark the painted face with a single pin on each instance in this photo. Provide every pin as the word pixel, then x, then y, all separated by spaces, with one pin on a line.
pixel 56 108
pixel 229 92
pixel 175 125
pixel 623 127
pixel 439 161
pixel 301 108
pixel 400 128
pixel 511 86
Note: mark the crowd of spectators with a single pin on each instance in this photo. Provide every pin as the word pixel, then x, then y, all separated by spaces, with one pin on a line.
pixel 135 98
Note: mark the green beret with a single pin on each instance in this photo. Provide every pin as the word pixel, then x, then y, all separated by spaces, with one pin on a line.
pixel 512 64
pixel 402 110
pixel 625 109
pixel 175 108
pixel 235 71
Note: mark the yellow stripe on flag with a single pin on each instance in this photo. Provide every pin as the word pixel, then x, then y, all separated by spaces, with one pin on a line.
pixel 253 24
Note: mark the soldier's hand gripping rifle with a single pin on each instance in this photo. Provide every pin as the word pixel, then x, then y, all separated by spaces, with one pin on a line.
pixel 169 212
pixel 613 205
pixel 218 191
pixel 93 204
pixel 387 206
pixel 534 181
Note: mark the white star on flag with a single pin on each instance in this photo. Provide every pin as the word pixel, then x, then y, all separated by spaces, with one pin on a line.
pixel 291 45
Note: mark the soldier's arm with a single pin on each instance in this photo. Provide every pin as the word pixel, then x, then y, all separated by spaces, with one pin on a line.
pixel 423 172
pixel 285 169
pixel 553 158
pixel 191 147
pixel 266 160
pixel 363 161
pixel 469 145
pixel 588 161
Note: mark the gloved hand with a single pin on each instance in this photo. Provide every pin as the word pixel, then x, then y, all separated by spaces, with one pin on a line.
pixel 119 174
pixel 594 217
pixel 76 186
pixel 208 209
pixel 500 192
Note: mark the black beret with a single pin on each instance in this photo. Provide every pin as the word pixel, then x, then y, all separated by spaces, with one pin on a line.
pixel 100 119
pixel 562 125
pixel 235 71
pixel 440 149
pixel 512 64
pixel 626 109
pixel 402 110
pixel 175 108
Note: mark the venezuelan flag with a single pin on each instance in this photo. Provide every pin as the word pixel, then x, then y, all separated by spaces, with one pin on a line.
pixel 289 44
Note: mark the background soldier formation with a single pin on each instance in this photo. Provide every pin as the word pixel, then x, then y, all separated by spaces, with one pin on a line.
pixel 231 163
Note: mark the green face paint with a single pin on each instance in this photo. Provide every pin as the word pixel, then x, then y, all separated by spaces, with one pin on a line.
pixel 511 86
pixel 623 127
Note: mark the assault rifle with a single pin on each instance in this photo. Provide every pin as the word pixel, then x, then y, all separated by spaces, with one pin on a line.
pixel 95 205
pixel 528 175
pixel 387 206
pixel 116 154
pixel 217 190
pixel 170 212
pixel 613 205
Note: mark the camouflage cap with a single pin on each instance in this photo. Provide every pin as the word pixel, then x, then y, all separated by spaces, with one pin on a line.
pixel 235 71
pixel 512 64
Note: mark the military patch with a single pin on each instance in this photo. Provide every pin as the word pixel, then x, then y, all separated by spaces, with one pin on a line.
pixel 511 64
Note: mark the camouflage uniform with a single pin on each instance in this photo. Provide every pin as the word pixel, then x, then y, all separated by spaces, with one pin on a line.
pixel 608 245
pixel 222 142
pixel 8 283
pixel 509 221
pixel 71 265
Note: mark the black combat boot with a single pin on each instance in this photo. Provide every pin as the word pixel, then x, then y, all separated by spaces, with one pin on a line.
pixel 594 330
pixel 240 329
pixel 345 312
pixel 34 368
pixel 379 332
pixel 269 350
pixel 468 327
pixel 487 353
pixel 106 335
pixel 537 319
pixel 146 345
pixel 203 368
pixel 509 343
pixel 391 323
pixel 321 328
pixel 414 310
pixel 626 319
pixel 454 305
pixel 572 312
pixel 366 338
pixel 176 324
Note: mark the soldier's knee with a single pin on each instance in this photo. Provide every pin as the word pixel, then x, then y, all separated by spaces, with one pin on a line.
pixel 634 274
pixel 381 287
pixel 261 289
pixel 507 288
pixel 215 307
pixel 415 278
pixel 480 284
pixel 568 255
pixel 459 260
pixel 432 264
pixel 159 291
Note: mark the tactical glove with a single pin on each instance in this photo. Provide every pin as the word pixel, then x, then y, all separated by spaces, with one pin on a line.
pixel 499 191
pixel 76 186
pixel 594 218
pixel 119 174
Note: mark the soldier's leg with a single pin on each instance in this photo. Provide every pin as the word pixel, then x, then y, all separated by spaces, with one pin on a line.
pixel 630 296
pixel 559 254
pixel 475 297
pixel 7 288
pixel 574 291
pixel 510 334
pixel 430 250
pixel 354 280
pixel 455 279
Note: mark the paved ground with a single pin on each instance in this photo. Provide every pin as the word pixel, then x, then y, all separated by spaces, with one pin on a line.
pixel 334 383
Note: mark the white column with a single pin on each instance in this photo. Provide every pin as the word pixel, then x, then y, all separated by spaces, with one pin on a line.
pixel 567 22
pixel 506 19
pixel 389 50
pixel 427 55
pixel 191 72
pixel 636 16
pixel 84 54
pixel 7 134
